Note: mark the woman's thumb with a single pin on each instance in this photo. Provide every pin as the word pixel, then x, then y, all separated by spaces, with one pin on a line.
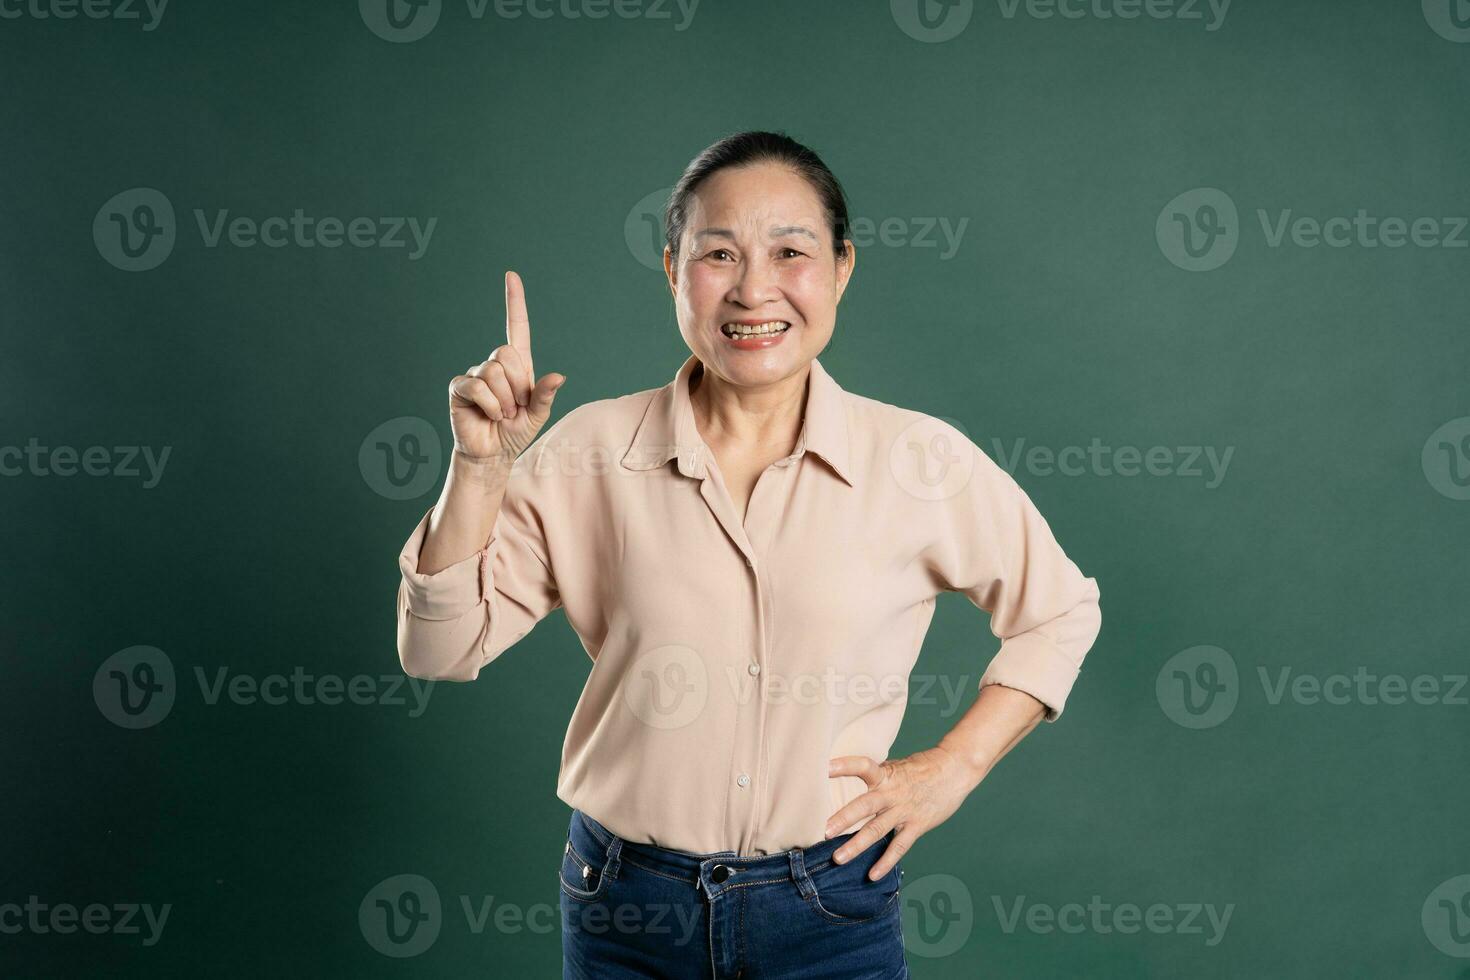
pixel 543 394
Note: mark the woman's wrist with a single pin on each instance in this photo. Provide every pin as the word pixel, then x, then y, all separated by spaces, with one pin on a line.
pixel 487 472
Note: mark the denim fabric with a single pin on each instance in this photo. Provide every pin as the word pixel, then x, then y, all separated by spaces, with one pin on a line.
pixel 635 910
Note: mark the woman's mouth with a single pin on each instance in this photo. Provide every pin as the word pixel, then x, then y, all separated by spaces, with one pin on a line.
pixel 755 336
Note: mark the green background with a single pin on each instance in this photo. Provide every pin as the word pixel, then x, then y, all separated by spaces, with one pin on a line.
pixel 1059 320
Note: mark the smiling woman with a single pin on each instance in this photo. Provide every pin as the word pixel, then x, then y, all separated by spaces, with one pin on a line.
pixel 760 531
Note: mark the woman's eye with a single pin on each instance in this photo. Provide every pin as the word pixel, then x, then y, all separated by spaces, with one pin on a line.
pixel 717 252
pixel 793 252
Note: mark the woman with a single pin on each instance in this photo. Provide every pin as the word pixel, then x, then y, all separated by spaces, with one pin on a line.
pixel 750 555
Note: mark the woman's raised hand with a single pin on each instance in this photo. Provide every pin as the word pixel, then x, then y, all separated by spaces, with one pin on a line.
pixel 496 408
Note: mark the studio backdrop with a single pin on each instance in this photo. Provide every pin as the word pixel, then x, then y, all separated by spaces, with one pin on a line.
pixel 1194 273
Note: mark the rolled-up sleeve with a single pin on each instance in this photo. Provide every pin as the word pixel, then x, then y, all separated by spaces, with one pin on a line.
pixel 455 621
pixel 995 547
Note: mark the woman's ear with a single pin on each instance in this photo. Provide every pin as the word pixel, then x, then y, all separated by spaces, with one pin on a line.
pixel 845 267
pixel 670 272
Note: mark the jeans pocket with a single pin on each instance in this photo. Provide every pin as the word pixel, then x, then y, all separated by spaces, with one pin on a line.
pixel 845 894
pixel 581 877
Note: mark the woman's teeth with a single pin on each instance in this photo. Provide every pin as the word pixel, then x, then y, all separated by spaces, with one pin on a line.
pixel 754 330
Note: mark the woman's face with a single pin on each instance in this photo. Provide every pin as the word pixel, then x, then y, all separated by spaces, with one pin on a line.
pixel 756 250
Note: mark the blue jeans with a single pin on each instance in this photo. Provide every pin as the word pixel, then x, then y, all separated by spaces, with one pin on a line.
pixel 634 910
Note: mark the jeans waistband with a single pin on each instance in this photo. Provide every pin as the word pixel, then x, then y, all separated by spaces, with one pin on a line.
pixel 697 869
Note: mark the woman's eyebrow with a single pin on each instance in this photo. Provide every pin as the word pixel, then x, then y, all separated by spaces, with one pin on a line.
pixel 775 232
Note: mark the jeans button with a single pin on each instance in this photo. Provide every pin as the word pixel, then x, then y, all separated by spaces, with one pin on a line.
pixel 719 873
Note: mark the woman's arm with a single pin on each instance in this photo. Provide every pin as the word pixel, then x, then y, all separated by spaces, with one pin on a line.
pixel 462 520
pixel 994 724
pixel 469 590
pixel 491 581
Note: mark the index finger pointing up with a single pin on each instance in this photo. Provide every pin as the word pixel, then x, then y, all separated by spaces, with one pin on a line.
pixel 517 323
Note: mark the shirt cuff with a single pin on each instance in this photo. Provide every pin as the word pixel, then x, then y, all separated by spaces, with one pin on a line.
pixel 450 592
pixel 1033 665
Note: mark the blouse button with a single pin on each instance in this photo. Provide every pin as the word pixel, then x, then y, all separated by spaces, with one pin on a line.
pixel 754 668
pixel 743 780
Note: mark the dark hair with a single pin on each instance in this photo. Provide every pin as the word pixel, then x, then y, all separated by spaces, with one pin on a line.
pixel 746 149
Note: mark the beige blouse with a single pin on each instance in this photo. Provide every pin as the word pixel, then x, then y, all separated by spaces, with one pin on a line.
pixel 731 659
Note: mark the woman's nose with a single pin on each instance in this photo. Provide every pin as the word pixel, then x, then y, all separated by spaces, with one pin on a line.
pixel 756 285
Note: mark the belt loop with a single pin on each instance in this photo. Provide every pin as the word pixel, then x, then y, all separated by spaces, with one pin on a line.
pixel 614 856
pixel 798 874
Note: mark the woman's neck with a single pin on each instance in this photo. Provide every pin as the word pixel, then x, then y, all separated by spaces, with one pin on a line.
pixel 732 415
